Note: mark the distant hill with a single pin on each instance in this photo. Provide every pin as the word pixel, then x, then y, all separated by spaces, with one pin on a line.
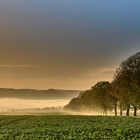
pixel 38 94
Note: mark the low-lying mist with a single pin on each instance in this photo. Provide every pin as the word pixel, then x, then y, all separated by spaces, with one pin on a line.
pixel 14 106
pixel 13 103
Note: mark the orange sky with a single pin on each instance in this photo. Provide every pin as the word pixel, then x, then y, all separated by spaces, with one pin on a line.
pixel 66 44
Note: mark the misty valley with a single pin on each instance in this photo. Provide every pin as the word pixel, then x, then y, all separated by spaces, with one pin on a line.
pixel 29 101
pixel 118 97
pixel 109 110
pixel 69 70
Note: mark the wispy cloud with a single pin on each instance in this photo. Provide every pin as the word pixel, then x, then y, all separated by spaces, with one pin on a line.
pixel 107 70
pixel 15 66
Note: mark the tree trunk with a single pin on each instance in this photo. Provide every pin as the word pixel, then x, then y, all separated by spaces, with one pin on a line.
pixel 135 111
pixel 127 111
pixel 115 109
pixel 120 110
pixel 105 111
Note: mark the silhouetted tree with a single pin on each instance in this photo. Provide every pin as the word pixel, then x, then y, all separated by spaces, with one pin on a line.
pixel 105 96
pixel 127 83
pixel 124 91
pixel 98 98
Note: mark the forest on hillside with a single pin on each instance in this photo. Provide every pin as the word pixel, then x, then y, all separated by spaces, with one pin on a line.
pixel 122 94
pixel 34 94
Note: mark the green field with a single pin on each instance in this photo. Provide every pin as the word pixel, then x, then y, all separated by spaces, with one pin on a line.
pixel 69 127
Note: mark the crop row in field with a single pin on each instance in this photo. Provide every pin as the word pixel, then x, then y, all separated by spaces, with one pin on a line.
pixel 69 127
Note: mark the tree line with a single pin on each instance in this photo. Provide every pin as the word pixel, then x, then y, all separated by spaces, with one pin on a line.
pixel 122 93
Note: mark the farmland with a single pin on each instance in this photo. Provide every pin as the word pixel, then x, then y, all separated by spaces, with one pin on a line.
pixel 69 127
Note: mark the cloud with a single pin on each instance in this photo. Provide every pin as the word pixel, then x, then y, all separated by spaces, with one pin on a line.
pixel 15 66
pixel 107 70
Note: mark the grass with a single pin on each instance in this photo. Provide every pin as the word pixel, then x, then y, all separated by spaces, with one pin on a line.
pixel 67 127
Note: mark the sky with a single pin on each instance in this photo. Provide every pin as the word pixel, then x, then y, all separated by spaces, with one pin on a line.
pixel 65 44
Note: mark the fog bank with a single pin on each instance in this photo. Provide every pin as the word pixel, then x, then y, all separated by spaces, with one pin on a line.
pixel 13 103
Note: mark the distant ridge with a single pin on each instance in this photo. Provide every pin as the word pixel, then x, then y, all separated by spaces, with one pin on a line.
pixel 38 94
